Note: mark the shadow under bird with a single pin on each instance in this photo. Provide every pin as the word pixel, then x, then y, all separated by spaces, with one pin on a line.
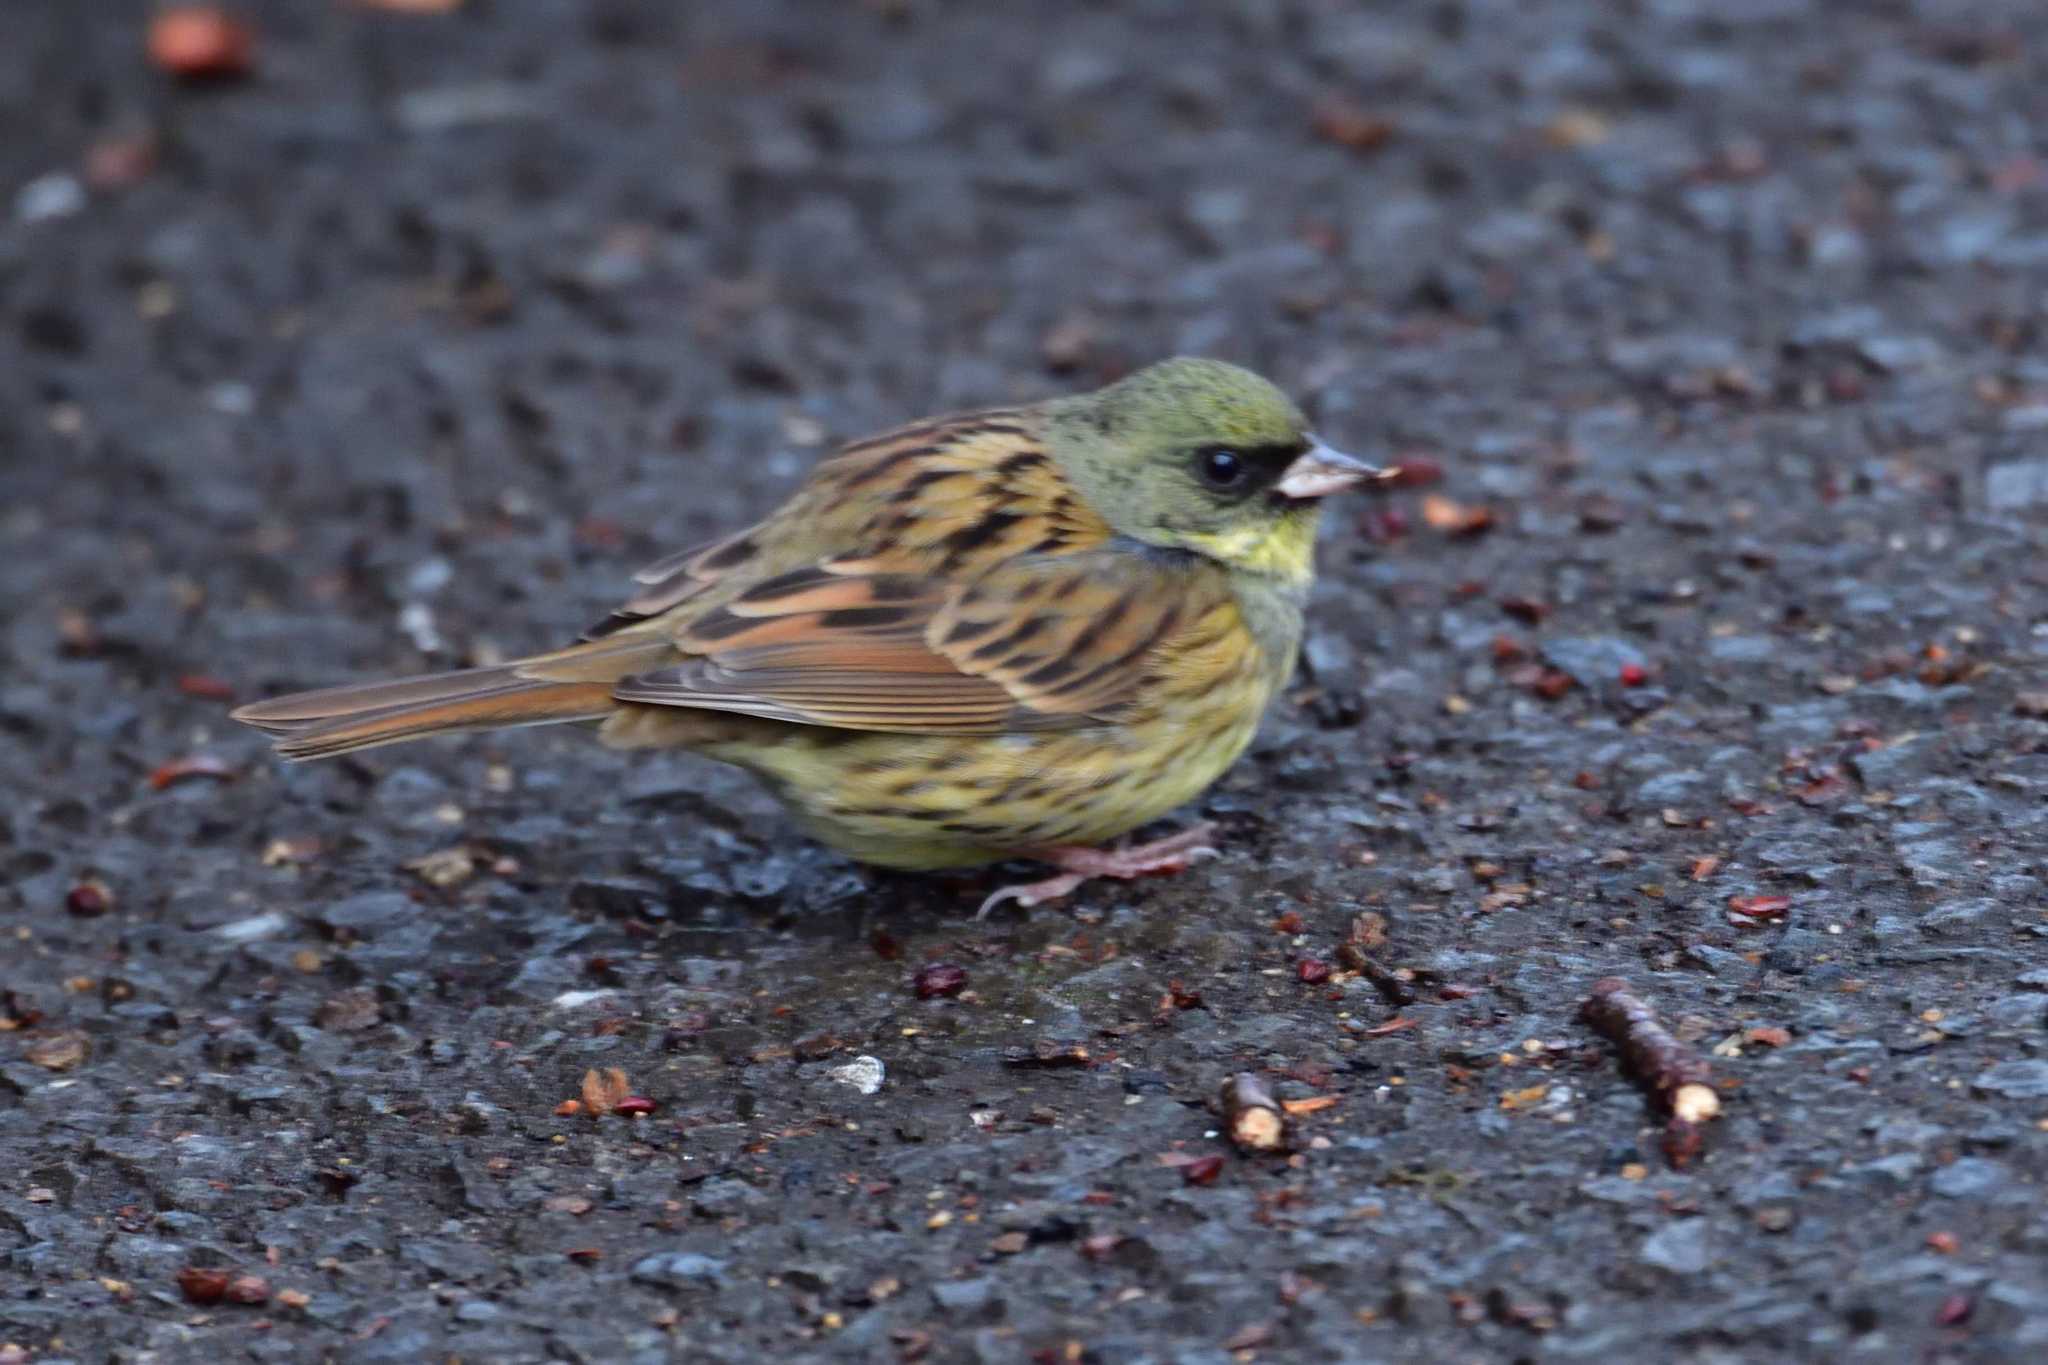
pixel 1015 633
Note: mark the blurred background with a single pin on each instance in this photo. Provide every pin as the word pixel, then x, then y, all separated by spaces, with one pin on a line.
pixel 285 279
pixel 351 337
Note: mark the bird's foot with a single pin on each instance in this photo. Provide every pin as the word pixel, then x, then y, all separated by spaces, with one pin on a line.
pixel 1079 863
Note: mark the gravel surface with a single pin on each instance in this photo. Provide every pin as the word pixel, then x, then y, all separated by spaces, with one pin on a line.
pixel 1714 662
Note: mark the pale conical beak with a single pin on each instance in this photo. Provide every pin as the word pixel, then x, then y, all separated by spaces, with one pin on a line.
pixel 1322 471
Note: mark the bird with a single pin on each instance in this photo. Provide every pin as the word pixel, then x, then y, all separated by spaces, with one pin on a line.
pixel 1018 633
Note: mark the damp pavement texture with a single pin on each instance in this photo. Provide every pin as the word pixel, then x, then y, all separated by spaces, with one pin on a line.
pixel 1713 661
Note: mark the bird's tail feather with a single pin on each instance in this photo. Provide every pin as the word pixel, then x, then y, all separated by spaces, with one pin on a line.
pixel 569 685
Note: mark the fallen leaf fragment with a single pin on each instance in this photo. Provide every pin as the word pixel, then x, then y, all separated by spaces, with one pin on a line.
pixel 1576 128
pixel 192 766
pixel 284 852
pixel 1049 1052
pixel 1340 121
pixel 59 1051
pixel 444 867
pixel 1759 907
pixel 202 685
pixel 349 1011
pixel 1248 1337
pixel 1314 1104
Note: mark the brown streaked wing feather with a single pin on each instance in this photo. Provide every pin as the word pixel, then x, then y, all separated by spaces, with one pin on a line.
pixel 668 583
pixel 950 499
pixel 1074 636
pixel 820 647
pixel 836 611
pixel 1043 643
pixel 950 496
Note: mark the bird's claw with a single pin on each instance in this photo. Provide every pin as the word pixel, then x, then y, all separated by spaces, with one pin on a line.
pixel 1174 853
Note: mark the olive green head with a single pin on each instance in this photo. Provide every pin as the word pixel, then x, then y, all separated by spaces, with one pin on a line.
pixel 1204 456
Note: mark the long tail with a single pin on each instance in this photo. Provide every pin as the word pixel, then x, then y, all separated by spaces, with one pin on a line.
pixel 571 684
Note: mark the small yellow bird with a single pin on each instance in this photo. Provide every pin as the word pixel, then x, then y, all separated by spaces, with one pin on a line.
pixel 1017 633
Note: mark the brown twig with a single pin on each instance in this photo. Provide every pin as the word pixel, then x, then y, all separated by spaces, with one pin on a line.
pixel 1355 953
pixel 1678 1078
pixel 1252 1118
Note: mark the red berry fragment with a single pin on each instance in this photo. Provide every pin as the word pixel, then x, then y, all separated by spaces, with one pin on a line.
pixel 200 43
pixel 939 979
pixel 203 1286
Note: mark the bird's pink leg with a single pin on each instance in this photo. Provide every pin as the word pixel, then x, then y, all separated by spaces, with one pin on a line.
pixel 1079 863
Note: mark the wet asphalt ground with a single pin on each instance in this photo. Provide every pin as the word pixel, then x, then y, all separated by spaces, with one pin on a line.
pixel 1713 661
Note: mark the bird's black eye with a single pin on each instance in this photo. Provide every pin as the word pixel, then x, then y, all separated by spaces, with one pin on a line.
pixel 1222 470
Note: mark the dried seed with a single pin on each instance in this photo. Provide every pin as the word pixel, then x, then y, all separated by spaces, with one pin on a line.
pixel 604 1090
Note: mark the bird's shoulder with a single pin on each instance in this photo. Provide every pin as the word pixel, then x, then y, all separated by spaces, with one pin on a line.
pixel 948 498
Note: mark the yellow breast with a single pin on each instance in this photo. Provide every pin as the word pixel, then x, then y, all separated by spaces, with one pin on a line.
pixel 922 802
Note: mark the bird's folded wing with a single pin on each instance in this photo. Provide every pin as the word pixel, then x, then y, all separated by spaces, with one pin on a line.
pixel 1037 643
